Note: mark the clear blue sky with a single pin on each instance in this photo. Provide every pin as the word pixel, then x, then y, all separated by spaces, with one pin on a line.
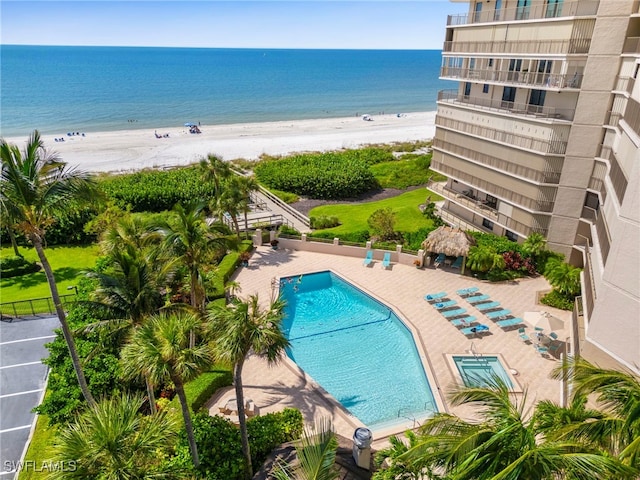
pixel 418 24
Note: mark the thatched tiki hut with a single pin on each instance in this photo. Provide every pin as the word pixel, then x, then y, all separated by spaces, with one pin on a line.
pixel 453 242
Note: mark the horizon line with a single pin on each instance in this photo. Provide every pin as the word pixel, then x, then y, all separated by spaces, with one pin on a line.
pixel 215 48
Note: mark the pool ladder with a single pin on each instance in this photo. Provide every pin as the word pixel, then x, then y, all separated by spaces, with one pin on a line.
pixel 412 418
pixel 472 350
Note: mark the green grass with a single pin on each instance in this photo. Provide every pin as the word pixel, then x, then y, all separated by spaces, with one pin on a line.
pixel 40 449
pixel 353 218
pixel 67 263
pixel 408 171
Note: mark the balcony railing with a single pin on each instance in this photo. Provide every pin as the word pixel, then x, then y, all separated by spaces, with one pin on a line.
pixel 547 176
pixel 632 115
pixel 617 177
pixel 612 118
pixel 533 79
pixel 520 109
pixel 603 236
pixel 625 84
pixel 631 45
pixel 533 12
pixel 463 199
pixel 495 190
pixel 539 47
pixel 589 292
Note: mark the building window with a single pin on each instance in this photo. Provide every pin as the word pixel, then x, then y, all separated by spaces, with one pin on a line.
pixel 487 224
pixel 491 63
pixel 511 236
pixel 476 17
pixel 554 8
pixel 467 89
pixel 508 96
pixel 485 88
pixel 522 9
pixel 536 100
pixel 491 201
pixel 496 12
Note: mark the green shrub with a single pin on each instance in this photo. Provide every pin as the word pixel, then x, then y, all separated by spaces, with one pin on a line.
pixel 558 300
pixel 268 431
pixel 200 390
pixel 286 197
pixel 16 267
pixel 324 222
pixel 287 230
pixel 157 190
pixel 319 175
pixel 225 269
pixel 361 236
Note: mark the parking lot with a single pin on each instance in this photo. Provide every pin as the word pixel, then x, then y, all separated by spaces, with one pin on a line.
pixel 22 383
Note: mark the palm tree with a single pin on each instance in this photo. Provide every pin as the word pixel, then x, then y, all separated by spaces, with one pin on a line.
pixel 619 393
pixel 504 444
pixel 36 187
pixel 399 469
pixel 244 185
pixel 316 452
pixel 192 240
pixel 113 440
pixel 563 277
pixel 483 259
pixel 229 202
pixel 236 330
pixel 215 169
pixel 160 350
pixel 534 245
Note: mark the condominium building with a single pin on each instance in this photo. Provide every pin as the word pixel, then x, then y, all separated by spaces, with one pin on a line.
pixel 542 134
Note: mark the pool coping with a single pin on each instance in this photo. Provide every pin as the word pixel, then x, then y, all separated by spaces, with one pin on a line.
pixel 511 372
pixel 401 426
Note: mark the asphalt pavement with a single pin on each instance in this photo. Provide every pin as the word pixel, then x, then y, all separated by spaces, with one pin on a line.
pixel 22 383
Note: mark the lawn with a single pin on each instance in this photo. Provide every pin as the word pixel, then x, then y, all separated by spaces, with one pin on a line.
pixel 353 217
pixel 403 173
pixel 67 263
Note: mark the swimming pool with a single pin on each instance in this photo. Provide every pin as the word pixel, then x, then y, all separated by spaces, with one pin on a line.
pixel 479 370
pixel 356 348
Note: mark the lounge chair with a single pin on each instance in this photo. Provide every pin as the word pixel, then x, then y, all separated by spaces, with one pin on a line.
pixel 386 261
pixel 487 306
pixel 433 297
pixel 475 329
pixel 523 335
pixel 542 350
pixel 369 258
pixel 478 299
pixel 439 260
pixel 554 347
pixel 510 322
pixel 443 305
pixel 498 313
pixel 553 335
pixel 463 321
pixel 467 291
pixel 457 263
pixel 453 313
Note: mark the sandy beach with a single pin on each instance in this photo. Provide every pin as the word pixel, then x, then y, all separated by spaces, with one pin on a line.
pixel 128 150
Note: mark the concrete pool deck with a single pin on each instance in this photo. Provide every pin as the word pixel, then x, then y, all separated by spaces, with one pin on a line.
pixel 403 288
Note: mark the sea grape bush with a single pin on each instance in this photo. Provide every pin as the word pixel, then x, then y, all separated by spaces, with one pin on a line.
pixel 326 176
pixel 157 190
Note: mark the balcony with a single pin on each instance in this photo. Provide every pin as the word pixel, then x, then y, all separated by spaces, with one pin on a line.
pixel 540 47
pixel 466 199
pixel 500 106
pixel 631 45
pixel 625 84
pixel 543 81
pixel 533 12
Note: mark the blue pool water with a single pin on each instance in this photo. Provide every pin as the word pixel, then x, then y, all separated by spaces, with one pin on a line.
pixel 356 348
pixel 479 371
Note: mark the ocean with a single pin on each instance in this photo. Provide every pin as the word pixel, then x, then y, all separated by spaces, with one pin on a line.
pixel 62 89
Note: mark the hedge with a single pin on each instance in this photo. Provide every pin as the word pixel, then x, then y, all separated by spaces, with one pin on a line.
pixel 16 266
pixel 200 390
pixel 225 269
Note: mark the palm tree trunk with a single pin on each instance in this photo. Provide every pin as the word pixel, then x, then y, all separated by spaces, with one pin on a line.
pixel 242 419
pixel 150 394
pixel 237 225
pixel 66 331
pixel 246 225
pixel 177 381
pixel 14 244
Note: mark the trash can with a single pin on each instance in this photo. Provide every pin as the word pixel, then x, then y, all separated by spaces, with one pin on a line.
pixel 362 439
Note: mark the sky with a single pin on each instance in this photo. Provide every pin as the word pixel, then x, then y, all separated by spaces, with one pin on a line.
pixel 359 24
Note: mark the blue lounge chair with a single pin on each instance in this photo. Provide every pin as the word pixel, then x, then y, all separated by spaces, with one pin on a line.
pixel 478 299
pixel 443 305
pixel 510 322
pixel 487 306
pixel 453 313
pixel 457 263
pixel 475 329
pixel 369 258
pixel 386 261
pixel 542 350
pixel 467 291
pixel 463 321
pixel 498 313
pixel 433 297
pixel 523 335
pixel 439 259
pixel 554 335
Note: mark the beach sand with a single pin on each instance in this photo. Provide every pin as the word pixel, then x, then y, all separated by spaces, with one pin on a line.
pixel 128 150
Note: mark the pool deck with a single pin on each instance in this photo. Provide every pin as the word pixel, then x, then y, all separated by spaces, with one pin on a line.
pixel 403 288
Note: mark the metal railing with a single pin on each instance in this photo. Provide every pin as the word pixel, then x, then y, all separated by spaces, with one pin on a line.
pixel 535 79
pixel 33 307
pixel 502 106
pixel 539 47
pixel 529 12
pixel 459 197
pixel 286 207
pixel 625 84
pixel 253 222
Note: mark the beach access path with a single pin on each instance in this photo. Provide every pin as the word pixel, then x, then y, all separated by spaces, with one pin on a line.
pixel 128 150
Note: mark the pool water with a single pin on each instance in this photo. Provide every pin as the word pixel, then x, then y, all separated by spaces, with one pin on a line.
pixel 478 371
pixel 356 348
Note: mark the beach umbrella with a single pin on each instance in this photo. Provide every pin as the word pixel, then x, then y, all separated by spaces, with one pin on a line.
pixel 452 242
pixel 189 124
pixel 546 321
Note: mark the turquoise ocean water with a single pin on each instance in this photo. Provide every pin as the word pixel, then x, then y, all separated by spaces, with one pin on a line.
pixel 61 89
